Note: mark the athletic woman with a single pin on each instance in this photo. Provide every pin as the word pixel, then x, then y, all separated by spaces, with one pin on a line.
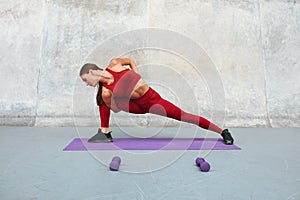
pixel 121 88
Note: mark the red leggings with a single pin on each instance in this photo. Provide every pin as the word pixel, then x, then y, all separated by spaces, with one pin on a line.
pixel 151 102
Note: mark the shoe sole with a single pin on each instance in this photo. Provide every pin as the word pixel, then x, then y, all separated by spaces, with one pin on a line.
pixel 100 141
pixel 228 142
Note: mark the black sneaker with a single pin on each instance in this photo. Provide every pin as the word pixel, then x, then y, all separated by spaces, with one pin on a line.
pixel 227 138
pixel 101 137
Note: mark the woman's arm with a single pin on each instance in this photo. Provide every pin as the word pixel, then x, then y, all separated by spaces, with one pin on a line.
pixel 104 117
pixel 124 61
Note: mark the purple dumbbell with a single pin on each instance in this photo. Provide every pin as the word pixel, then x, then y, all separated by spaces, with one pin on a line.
pixel 115 163
pixel 204 166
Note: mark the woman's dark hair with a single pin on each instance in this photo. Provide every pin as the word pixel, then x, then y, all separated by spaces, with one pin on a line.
pixel 87 67
pixel 85 70
pixel 99 99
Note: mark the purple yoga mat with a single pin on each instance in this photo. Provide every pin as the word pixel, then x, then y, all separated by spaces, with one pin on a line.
pixel 81 144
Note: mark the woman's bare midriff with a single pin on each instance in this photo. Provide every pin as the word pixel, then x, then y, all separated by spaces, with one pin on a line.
pixel 139 90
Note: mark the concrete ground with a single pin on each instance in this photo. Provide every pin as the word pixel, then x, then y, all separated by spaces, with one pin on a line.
pixel 33 165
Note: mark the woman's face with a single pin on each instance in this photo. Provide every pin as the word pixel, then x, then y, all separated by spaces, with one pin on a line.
pixel 90 79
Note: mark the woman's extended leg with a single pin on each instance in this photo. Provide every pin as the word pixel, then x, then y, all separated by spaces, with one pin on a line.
pixel 153 103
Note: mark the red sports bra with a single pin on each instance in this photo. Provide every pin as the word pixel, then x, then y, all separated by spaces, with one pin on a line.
pixel 124 82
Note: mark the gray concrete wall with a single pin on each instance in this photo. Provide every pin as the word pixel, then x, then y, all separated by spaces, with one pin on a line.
pixel 252 46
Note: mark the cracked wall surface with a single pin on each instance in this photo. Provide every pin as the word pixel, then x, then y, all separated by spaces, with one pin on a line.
pixel 254 46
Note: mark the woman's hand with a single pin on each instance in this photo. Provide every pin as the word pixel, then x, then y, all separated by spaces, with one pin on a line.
pixel 122 62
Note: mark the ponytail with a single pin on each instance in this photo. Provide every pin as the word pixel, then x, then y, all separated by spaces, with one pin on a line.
pixel 99 99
